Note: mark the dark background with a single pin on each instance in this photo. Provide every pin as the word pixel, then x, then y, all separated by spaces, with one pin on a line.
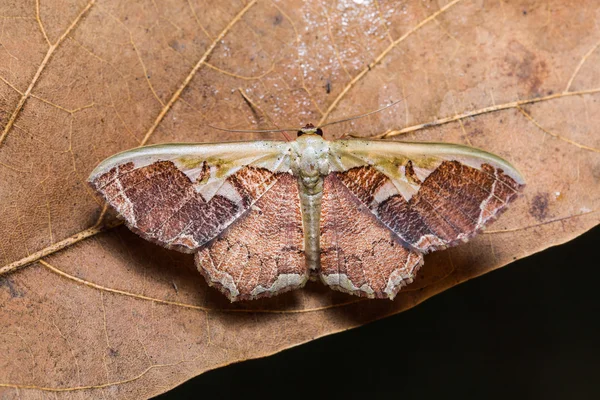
pixel 527 331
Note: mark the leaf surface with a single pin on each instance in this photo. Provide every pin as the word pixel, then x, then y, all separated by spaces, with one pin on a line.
pixel 90 310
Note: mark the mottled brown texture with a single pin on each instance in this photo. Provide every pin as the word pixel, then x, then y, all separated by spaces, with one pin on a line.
pixel 160 203
pixel 452 204
pixel 251 183
pixel 364 182
pixel 410 174
pixel 262 244
pixel 355 244
pixel 111 81
pixel 366 240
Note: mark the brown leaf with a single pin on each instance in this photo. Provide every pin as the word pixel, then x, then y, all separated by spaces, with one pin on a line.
pixel 93 313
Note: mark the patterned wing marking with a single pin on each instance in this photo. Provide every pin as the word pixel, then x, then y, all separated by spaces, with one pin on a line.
pixel 261 254
pixel 359 255
pixel 442 196
pixel 161 191
pixel 452 204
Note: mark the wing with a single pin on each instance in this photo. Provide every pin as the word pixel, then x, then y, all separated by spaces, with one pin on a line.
pixel 262 253
pixel 182 196
pixel 359 255
pixel 430 195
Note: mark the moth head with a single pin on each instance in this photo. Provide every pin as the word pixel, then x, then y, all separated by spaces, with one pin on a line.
pixel 310 129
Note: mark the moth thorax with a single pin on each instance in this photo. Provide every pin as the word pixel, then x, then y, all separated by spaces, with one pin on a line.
pixel 310 156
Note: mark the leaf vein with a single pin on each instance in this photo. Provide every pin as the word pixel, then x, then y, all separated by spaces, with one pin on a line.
pixel 39 71
pixel 193 72
pixel 380 57
pixel 187 305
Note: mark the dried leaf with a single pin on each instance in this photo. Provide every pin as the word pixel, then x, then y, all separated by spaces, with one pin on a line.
pixel 91 310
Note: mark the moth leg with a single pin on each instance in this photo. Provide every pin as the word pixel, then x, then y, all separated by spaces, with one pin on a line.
pixel 359 255
pixel 262 253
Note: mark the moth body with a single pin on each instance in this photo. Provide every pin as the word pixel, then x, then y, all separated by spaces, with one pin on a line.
pixel 310 163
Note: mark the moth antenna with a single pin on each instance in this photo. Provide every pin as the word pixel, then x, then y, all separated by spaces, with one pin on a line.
pixel 361 115
pixel 252 130
pixel 255 130
pixel 254 107
pixel 351 135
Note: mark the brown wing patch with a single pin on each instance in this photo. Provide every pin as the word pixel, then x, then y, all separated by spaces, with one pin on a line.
pixel 261 254
pixel 364 182
pixel 451 205
pixel 204 173
pixel 410 173
pixel 160 202
pixel 359 255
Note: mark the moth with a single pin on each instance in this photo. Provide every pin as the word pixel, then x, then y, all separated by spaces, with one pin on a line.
pixel 263 217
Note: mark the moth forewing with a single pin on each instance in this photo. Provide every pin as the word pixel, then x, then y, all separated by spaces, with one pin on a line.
pixel 183 195
pixel 432 195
